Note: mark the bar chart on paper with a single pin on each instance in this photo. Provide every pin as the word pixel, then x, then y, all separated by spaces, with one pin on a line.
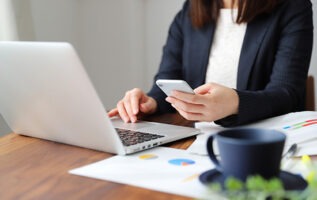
pixel 302 124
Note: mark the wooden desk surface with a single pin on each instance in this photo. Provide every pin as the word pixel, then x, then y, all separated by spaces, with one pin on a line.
pixel 31 168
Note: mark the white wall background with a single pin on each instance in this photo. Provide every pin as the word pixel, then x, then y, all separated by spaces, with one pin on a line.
pixel 159 14
pixel 120 41
pixel 7 21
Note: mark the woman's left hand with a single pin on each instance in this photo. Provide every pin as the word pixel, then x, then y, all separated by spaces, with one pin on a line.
pixel 210 102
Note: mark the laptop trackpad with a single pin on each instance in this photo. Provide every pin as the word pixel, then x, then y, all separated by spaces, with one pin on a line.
pixel 118 123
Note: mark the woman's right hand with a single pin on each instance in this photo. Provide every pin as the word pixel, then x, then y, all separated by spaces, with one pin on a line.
pixel 134 103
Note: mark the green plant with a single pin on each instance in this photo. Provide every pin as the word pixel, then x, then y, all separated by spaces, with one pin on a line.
pixel 258 188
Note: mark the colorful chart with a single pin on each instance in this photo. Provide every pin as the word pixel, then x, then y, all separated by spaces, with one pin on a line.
pixel 181 162
pixel 301 124
pixel 191 178
pixel 148 157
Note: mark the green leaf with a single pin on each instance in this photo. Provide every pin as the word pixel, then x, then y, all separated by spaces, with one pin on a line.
pixel 274 185
pixel 256 183
pixel 258 188
pixel 233 184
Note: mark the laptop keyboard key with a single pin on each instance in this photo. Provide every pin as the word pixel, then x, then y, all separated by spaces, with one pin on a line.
pixel 129 137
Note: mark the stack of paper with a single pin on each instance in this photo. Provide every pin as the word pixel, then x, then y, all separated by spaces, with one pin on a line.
pixel 299 127
pixel 163 169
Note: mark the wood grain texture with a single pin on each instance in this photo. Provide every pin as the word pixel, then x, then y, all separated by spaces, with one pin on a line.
pixel 32 168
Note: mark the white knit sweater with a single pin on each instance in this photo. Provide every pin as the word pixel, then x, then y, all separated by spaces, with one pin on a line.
pixel 226 48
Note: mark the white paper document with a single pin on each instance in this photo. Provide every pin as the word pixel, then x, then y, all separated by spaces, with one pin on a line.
pixel 299 127
pixel 161 169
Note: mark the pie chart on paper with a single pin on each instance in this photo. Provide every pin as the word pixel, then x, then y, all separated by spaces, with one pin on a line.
pixel 181 162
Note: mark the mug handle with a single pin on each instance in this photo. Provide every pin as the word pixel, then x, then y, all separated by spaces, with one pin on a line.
pixel 211 153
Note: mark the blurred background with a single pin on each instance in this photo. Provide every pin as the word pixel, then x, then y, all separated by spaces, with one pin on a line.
pixel 119 41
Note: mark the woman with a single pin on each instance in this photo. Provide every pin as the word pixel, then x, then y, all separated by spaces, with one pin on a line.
pixel 247 59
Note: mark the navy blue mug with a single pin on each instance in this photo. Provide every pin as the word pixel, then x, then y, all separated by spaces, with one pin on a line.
pixel 246 152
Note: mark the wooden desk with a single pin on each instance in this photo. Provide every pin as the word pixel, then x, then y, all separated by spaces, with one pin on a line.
pixel 31 168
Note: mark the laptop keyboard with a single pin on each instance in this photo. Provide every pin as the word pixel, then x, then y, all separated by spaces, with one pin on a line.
pixel 129 137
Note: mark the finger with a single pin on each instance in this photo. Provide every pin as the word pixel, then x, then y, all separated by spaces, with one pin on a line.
pixel 127 105
pixel 186 97
pixel 206 88
pixel 145 107
pixel 113 112
pixel 189 115
pixel 148 105
pixel 122 112
pixel 185 106
pixel 135 101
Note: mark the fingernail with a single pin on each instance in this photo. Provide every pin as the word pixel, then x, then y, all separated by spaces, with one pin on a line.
pixel 126 120
pixel 135 112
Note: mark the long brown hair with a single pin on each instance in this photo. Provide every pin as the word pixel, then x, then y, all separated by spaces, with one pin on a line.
pixel 203 12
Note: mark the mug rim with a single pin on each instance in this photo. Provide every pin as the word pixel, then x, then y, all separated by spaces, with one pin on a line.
pixel 278 136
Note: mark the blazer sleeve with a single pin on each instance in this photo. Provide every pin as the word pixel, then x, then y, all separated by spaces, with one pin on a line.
pixel 171 62
pixel 285 92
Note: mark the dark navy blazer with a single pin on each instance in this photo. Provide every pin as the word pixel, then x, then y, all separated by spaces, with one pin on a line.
pixel 273 65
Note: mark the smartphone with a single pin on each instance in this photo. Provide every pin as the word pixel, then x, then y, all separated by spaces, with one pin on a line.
pixel 167 86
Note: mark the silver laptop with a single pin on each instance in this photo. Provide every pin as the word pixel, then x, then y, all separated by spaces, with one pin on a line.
pixel 46 93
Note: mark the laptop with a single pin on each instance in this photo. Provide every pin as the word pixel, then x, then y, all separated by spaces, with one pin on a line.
pixel 46 93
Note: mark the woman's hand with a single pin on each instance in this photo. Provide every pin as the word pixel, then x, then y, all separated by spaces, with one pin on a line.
pixel 133 103
pixel 210 102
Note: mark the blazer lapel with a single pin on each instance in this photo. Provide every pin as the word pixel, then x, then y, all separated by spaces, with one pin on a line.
pixel 252 40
